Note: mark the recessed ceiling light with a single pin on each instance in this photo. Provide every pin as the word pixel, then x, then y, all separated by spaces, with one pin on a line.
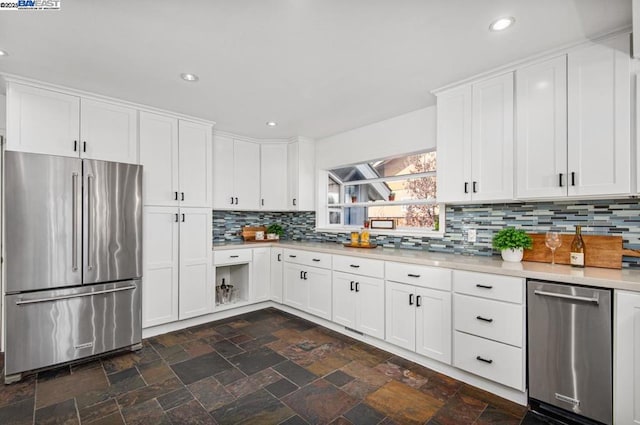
pixel 3 53
pixel 192 78
pixel 502 24
pixel 272 123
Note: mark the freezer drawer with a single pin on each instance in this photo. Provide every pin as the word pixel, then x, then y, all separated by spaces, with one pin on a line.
pixel 51 327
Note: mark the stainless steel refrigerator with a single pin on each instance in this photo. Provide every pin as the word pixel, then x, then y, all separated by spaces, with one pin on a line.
pixel 73 259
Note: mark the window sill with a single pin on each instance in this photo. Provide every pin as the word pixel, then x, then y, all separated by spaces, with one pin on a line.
pixel 436 234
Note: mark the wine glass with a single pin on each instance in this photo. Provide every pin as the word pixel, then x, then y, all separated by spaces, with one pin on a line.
pixel 552 241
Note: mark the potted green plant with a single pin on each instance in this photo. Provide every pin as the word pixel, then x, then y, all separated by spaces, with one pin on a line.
pixel 511 242
pixel 275 231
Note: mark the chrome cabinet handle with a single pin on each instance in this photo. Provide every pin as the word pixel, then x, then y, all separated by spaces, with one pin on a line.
pixel 595 299
pixel 66 297
pixel 74 220
pixel 90 223
pixel 484 360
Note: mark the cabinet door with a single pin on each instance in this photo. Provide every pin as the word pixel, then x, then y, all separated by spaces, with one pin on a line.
pixel 277 274
pixel 109 132
pixel 273 177
pixel 319 284
pixel 344 303
pixel 454 145
pixel 370 306
pixel 246 175
pixel 293 170
pixel 195 164
pixel 161 266
pixel 400 315
pixel 42 121
pixel 223 173
pixel 626 396
pixel 295 289
pixel 541 138
pixel 599 118
pixel 261 284
pixel 196 283
pixel 433 324
pixel 492 139
pixel 159 157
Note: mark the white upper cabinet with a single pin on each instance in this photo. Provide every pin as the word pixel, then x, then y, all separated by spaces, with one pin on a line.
pixel 223 172
pixel 159 157
pixel 454 145
pixel 50 122
pixel 42 121
pixel 195 164
pixel 492 139
pixel 301 172
pixel 176 156
pixel 236 174
pixel 273 176
pixel 246 175
pixel 599 103
pixel 108 131
pixel 475 141
pixel 541 137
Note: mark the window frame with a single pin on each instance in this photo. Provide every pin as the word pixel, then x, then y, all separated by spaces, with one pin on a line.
pixel 322 218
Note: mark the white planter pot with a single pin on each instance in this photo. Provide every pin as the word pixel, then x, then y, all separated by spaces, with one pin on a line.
pixel 512 255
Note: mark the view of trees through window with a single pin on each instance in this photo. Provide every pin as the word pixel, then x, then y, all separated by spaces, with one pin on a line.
pixel 401 188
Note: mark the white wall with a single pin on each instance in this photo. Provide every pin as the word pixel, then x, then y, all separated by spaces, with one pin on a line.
pixel 412 132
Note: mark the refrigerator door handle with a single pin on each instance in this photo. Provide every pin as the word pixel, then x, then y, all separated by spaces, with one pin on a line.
pixel 90 223
pixel 66 297
pixel 74 220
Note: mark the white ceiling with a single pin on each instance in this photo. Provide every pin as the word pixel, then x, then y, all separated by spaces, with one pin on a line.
pixel 317 67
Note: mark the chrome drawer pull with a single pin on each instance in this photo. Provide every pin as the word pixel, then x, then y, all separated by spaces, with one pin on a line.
pixel 484 360
pixel 595 299
pixel 484 319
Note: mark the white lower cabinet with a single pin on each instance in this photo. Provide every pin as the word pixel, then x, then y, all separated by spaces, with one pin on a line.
pixel 261 285
pixel 358 303
pixel 489 326
pixel 277 274
pixel 626 392
pixel 308 289
pixel 419 319
pixel 177 280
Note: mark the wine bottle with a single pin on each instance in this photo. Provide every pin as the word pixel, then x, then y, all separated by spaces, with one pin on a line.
pixel 577 249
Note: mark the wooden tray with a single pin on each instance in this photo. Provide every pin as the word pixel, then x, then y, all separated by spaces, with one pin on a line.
pixel 370 246
pixel 249 233
pixel 600 251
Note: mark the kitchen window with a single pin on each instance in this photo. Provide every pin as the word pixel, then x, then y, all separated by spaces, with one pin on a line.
pixel 401 189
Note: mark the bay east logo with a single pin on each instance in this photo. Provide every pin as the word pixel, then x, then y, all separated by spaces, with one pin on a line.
pixel 30 5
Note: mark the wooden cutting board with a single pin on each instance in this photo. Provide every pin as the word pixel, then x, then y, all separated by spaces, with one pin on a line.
pixel 249 233
pixel 600 251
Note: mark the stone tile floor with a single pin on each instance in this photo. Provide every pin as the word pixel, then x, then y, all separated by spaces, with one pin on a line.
pixel 265 367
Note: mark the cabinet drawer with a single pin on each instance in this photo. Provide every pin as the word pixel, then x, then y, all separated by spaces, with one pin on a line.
pixel 231 256
pixel 428 277
pixel 495 320
pixel 307 258
pixel 503 288
pixel 492 360
pixel 356 265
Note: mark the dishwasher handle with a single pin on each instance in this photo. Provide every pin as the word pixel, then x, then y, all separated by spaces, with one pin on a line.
pixel 595 299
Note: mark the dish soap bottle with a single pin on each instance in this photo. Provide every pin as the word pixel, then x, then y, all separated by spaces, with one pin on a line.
pixel 577 249
pixel 364 235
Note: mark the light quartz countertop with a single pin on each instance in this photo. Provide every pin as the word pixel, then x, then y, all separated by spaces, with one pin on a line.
pixel 592 276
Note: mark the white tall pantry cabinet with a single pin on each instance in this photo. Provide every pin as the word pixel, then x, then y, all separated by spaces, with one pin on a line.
pixel 176 156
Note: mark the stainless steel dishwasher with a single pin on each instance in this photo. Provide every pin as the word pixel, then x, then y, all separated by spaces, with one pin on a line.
pixel 570 351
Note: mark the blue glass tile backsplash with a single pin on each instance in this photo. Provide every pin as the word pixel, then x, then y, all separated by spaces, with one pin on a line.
pixel 602 217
